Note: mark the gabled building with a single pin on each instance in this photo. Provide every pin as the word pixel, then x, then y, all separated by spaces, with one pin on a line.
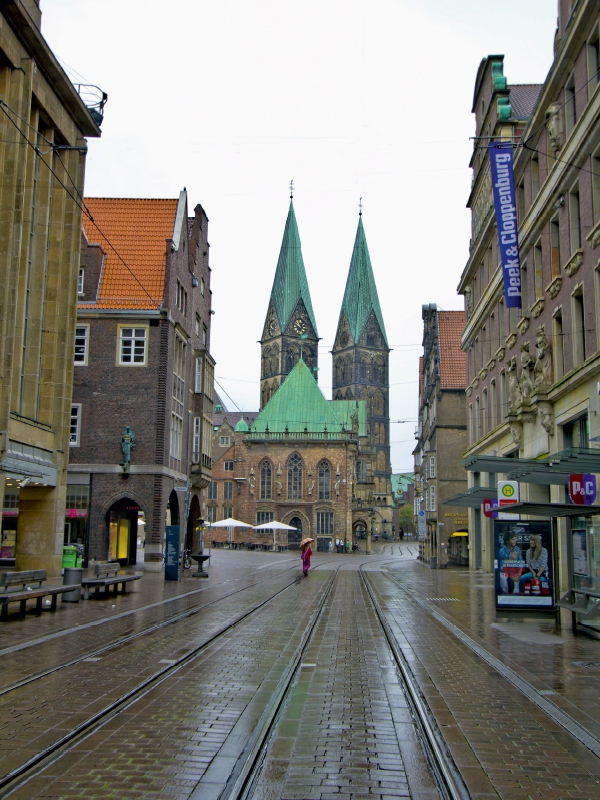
pixel 141 417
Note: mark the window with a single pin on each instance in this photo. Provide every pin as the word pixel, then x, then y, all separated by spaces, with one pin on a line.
pixel 493 404
pixel 213 490
pixel 558 345
pixel 432 498
pixel 524 289
pixel 574 219
pixel 202 286
pixel 264 516
pixel 535 177
pixel 132 346
pixel 228 466
pixel 266 472
pixel 324 523
pixel 324 480
pixel 227 512
pixel 177 403
pixel 181 298
pixel 212 513
pixel 521 202
pixel 228 490
pixel 82 333
pixel 80 279
pixel 295 478
pixel 197 326
pixel 360 470
pixel 432 466
pixel 576 433
pixel 593 62
pixel 570 108
pixel 578 323
pixel 204 335
pixel 224 441
pixel 75 427
pixel 555 247
pixel 537 270
pixel 196 440
pixel 198 376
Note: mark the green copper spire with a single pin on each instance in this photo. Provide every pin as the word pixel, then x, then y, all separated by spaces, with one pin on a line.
pixel 290 284
pixel 360 297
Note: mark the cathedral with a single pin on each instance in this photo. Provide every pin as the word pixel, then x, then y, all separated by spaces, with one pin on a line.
pixel 321 466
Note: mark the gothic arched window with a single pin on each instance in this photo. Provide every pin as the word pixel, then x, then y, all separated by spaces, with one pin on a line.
pixel 295 478
pixel 273 360
pixel 266 473
pixel 324 480
pixel 364 369
pixel 339 371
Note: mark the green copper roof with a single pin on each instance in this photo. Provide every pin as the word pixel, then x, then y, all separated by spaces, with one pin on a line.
pixel 360 297
pixel 242 426
pixel 344 409
pixel 298 404
pixel 290 284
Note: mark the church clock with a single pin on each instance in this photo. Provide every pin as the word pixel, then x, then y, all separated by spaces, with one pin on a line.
pixel 299 326
pixel 272 327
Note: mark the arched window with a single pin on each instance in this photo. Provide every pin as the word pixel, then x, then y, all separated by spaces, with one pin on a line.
pixel 273 360
pixel 324 480
pixel 349 395
pixel 291 358
pixel 266 473
pixel 348 370
pixel 295 478
pixel 339 371
pixel 364 368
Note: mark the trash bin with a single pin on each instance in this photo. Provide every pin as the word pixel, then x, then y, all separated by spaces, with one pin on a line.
pixel 72 576
pixel 433 562
pixel 69 556
pixel 79 562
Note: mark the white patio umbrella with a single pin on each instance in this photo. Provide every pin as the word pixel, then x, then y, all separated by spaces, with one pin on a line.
pixel 230 523
pixel 274 525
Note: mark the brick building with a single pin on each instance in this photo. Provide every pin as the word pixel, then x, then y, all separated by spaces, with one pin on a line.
pixel 142 359
pixel 321 465
pixel 43 125
pixel 533 373
pixel 442 437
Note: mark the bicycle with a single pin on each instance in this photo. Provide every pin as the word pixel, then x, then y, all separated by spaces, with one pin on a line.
pixel 187 561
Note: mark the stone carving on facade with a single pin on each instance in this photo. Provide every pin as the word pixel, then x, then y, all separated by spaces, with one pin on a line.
pixel 469 391
pixel 278 480
pixel 311 478
pixel 511 340
pixel 483 373
pixel 547 420
pixel 475 383
pixel 500 353
pixel 574 263
pixel 491 364
pixel 593 236
pixel 543 360
pixel 554 126
pixel 526 378
pixel 514 390
pixel 516 431
pixel 523 325
pixel 554 287
pixel 469 300
pixel 537 308
pixel 251 480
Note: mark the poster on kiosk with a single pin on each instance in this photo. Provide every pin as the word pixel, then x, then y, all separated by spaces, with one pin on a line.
pixel 523 564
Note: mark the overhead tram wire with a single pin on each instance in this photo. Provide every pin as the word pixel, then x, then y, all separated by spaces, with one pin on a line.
pixel 79 203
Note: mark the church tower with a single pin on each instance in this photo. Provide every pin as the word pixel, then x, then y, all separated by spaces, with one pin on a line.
pixel 360 362
pixel 290 328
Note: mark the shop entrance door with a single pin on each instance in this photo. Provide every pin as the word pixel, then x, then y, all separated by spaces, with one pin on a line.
pixel 295 537
pixel 122 531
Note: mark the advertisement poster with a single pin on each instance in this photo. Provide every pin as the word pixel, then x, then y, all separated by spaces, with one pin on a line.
pixel 580 562
pixel 523 564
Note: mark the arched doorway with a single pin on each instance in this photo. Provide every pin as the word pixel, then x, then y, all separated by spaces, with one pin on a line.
pixel 173 509
pixel 360 530
pixel 122 520
pixel 295 537
pixel 192 536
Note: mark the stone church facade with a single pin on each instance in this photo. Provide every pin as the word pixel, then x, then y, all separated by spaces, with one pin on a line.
pixel 322 466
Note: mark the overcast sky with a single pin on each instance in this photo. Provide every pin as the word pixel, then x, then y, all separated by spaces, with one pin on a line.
pixel 233 98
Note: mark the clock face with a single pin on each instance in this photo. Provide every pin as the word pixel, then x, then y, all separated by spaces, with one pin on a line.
pixel 300 326
pixel 272 327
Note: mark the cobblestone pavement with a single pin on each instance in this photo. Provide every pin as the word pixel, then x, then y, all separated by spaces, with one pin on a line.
pixel 346 731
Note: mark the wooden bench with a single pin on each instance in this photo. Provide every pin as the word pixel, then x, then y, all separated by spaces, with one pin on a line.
pixel 106 574
pixel 19 587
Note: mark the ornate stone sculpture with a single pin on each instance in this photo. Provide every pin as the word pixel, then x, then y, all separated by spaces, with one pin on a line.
pixel 543 360
pixel 547 419
pixel 127 445
pixel 516 432
pixel 514 390
pixel 278 481
pixel 554 125
pixel 251 480
pixel 526 378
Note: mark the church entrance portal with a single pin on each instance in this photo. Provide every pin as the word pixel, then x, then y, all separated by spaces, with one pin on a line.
pixel 295 537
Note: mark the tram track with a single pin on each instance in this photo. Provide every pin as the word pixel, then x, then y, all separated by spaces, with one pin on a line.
pixel 18 777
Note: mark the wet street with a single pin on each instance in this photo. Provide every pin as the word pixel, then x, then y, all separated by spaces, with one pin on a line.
pixel 373 677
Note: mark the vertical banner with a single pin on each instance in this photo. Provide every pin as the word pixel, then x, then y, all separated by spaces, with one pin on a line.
pixel 503 184
pixel 171 552
pixel 523 564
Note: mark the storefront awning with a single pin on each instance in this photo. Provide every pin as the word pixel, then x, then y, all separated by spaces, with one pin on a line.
pixel 554 469
pixel 459 533
pixel 473 497
pixel 496 463
pixel 550 510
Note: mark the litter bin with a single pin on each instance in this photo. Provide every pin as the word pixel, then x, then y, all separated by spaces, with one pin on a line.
pixel 72 576
pixel 79 555
pixel 69 558
pixel 433 562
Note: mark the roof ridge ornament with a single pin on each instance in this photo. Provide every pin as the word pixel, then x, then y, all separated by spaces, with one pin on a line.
pixel 360 207
pixel 291 188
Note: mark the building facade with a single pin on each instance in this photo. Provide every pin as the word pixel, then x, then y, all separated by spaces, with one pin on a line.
pixel 323 464
pixel 43 125
pixel 442 438
pixel 141 417
pixel 532 373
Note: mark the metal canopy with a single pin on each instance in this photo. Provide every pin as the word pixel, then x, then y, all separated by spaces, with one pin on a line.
pixel 496 463
pixel 551 470
pixel 472 498
pixel 550 510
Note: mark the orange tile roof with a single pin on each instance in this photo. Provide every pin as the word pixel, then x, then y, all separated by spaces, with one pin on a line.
pixel 453 362
pixel 137 230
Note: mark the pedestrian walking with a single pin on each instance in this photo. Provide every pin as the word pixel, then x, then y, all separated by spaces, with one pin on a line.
pixel 305 554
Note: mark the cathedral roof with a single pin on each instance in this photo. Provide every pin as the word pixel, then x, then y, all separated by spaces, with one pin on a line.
pixel 290 284
pixel 298 405
pixel 360 297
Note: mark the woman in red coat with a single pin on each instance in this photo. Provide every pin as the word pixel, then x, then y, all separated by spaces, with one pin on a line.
pixel 305 554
